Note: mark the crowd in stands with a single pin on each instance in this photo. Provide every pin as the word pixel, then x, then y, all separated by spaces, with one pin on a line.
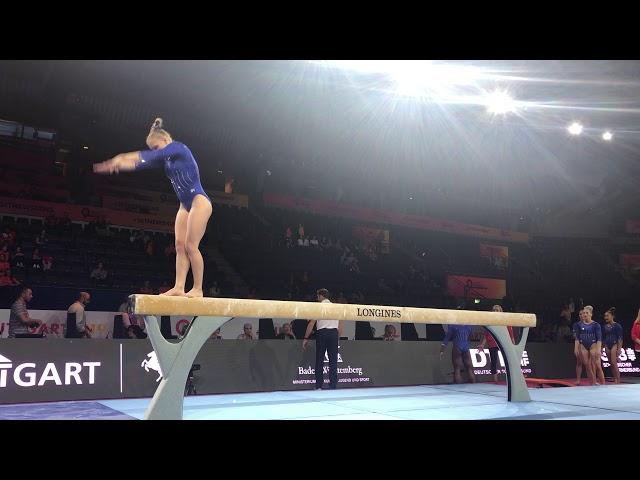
pixel 277 262
pixel 282 254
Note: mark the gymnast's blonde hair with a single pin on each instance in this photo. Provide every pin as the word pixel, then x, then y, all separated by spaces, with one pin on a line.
pixel 158 132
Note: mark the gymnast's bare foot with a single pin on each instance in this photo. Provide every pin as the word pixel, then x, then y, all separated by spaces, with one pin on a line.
pixel 174 292
pixel 193 293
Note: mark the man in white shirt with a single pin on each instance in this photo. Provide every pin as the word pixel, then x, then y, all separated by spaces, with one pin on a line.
pixel 327 336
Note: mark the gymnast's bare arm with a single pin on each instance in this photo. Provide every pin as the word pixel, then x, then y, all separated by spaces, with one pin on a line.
pixel 125 162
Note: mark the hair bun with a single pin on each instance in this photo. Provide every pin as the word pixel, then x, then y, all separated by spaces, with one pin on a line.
pixel 157 123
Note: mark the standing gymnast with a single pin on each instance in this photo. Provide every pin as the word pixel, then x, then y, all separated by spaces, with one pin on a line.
pixel 589 344
pixel 613 341
pixel 195 206
pixel 460 355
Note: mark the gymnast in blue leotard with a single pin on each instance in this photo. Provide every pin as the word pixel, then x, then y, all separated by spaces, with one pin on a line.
pixel 613 338
pixel 588 343
pixel 460 355
pixel 180 167
pixel 195 206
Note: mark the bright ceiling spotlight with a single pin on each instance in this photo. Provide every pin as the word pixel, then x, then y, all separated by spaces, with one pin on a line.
pixel 415 78
pixel 500 103
pixel 575 128
pixel 607 136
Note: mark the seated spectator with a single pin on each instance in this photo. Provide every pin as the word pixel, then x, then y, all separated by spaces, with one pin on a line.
pixel 135 331
pixel 357 297
pixel 65 222
pixel 216 335
pixel 36 260
pixel 214 291
pixel 146 288
pixel 149 248
pixel 252 293
pixel 126 318
pixel 286 333
pixel 99 274
pixel 354 267
pixel 248 333
pixel 134 324
pixel 288 237
pixel 102 227
pixel 42 238
pixel 90 227
pixel 304 282
pixel 5 258
pixel 389 333
pixel 7 280
pixel 50 221
pixel 228 185
pixel 12 237
pixel 18 259
pixel 47 262
pixel 123 306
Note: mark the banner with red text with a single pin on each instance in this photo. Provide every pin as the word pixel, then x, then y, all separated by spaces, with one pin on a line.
pixel 17 189
pixel 127 204
pixel 79 213
pixel 630 261
pixel 147 199
pixel 632 226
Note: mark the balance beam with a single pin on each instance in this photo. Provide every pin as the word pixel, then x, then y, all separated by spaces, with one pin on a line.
pixel 175 359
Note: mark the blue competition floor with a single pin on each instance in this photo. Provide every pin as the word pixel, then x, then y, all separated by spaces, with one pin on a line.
pixel 450 402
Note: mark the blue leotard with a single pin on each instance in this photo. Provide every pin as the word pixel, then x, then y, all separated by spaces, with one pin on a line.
pixel 180 167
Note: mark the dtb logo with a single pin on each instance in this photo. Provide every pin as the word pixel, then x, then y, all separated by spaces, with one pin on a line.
pixel 480 358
